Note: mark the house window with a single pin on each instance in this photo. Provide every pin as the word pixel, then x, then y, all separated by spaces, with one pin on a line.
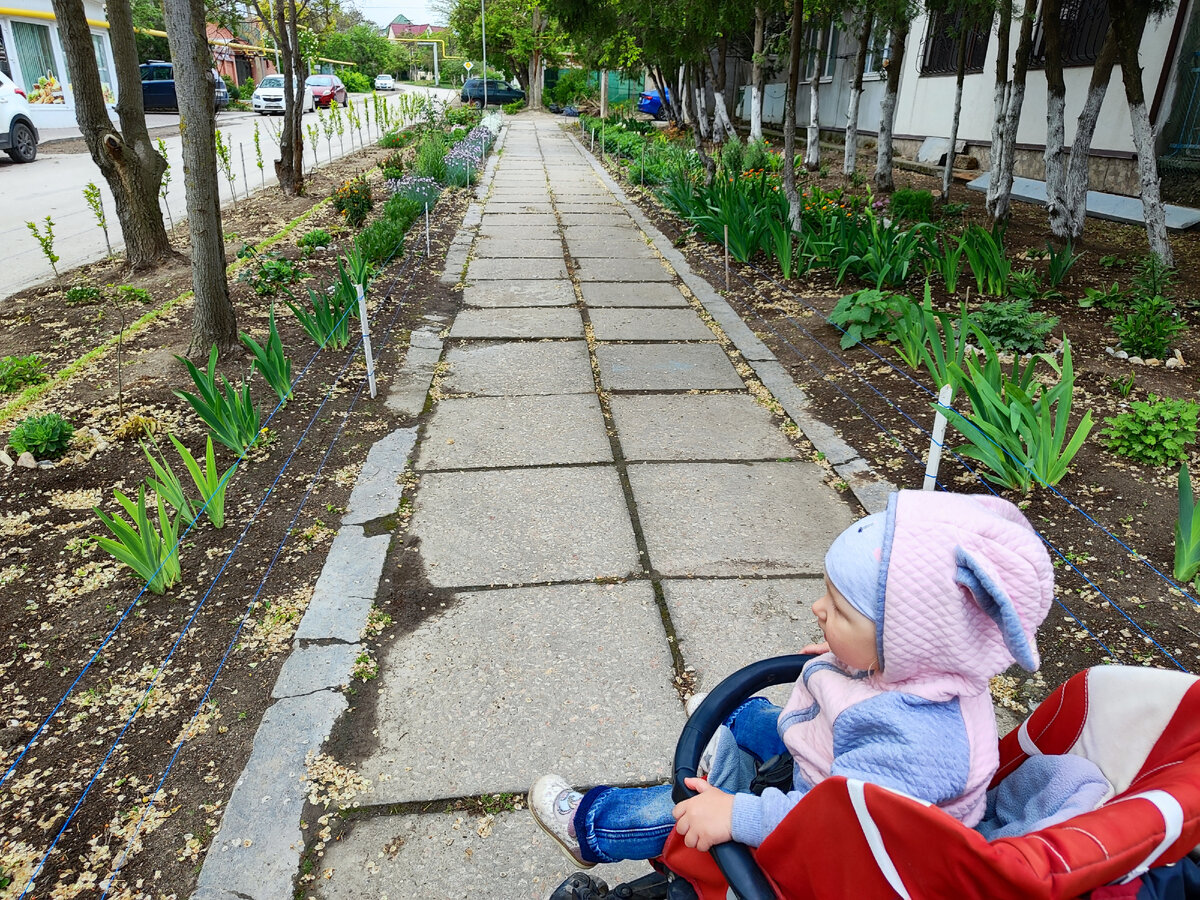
pixel 35 57
pixel 940 56
pixel 106 81
pixel 825 39
pixel 1084 28
pixel 876 50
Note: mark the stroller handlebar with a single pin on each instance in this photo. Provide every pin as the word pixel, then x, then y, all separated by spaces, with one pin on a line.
pixel 735 860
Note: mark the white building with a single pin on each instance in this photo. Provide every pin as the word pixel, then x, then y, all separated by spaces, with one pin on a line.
pixel 32 55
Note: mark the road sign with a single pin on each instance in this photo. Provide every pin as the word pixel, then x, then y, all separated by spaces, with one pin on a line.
pixel 468 65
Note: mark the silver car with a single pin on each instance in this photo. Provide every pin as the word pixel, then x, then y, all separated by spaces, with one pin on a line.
pixel 268 97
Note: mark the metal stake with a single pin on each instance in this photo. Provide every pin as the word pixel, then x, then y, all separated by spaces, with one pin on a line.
pixel 366 336
pixel 427 248
pixel 245 177
pixel 935 442
pixel 643 163
pixel 726 257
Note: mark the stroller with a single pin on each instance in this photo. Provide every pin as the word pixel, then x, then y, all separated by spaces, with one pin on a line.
pixel 1141 727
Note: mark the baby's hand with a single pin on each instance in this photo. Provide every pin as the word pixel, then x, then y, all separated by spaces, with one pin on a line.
pixel 707 818
pixel 815 649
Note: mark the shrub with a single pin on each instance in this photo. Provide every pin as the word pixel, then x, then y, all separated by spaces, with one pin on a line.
pixel 46 437
pixel 419 188
pixel 757 156
pixel 18 371
pixel 392 165
pixel 318 237
pixel 1014 326
pixel 1155 432
pixel 513 108
pixel 271 273
pixel 571 87
pixel 82 295
pixel 868 314
pixel 356 82
pixel 235 92
pixel 394 140
pixel 431 156
pixel 915 206
pixel 248 87
pixel 353 200
pixel 1149 328
pixel 383 238
pixel 733 156
pixel 127 293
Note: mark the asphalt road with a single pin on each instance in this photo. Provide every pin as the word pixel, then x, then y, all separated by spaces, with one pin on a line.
pixel 53 186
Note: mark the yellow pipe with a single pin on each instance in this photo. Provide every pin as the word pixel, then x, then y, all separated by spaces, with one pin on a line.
pixel 428 41
pixel 38 14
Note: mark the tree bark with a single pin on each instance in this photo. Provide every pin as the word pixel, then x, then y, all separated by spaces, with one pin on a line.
pixel 669 98
pixel 723 128
pixel 696 78
pixel 534 94
pixel 126 158
pixel 1128 23
pixel 789 115
pixel 887 112
pixel 213 318
pixel 686 101
pixel 756 86
pixel 603 93
pixel 812 149
pixel 961 72
pixel 1011 98
pixel 850 161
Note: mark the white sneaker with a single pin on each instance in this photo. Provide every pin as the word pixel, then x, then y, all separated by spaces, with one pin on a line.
pixel 693 703
pixel 553 803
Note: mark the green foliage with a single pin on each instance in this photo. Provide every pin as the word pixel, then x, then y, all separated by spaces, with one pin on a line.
pixel 783 246
pixel 1149 328
pixel 1014 326
pixel 1061 262
pixel 356 82
pixel 392 166
pixel 271 361
pixel 383 238
pixel 18 371
pixel 46 437
pixel 167 485
pixel 912 205
pixel 514 107
pixel 327 322
pixel 394 140
pixel 235 93
pixel 881 253
pixel 985 255
pixel 431 156
pixel 127 293
pixel 944 256
pixel 1187 530
pixel 1123 385
pixel 757 157
pixel 225 159
pixel 353 200
pixel 209 483
pixel 732 157
pixel 272 272
pixel 229 413
pixel 1018 427
pixel 83 295
pixel 1110 298
pixel 572 87
pixel 1152 277
pixel 933 338
pixel 867 315
pixel 311 240
pixel 1155 432
pixel 149 551
pixel 46 241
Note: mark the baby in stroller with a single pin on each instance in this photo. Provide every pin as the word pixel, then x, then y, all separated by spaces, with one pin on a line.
pixel 924 603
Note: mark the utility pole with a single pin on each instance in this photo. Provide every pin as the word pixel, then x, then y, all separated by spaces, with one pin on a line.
pixel 483 33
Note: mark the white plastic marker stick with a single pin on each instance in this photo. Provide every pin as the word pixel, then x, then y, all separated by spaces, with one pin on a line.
pixel 935 442
pixel 366 336
pixel 427 248
pixel 726 257
pixel 245 177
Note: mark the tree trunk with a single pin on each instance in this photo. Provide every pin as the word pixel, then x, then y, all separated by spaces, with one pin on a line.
pixel 812 149
pixel 670 99
pixel 789 114
pixel 887 110
pixel 1056 106
pixel 126 159
pixel 723 128
pixel 289 168
pixel 1128 23
pixel 213 318
pixel 604 93
pixel 948 170
pixel 686 101
pixel 1011 97
pixel 850 161
pixel 696 76
pixel 756 86
pixel 534 94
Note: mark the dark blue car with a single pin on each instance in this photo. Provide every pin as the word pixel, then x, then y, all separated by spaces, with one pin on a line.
pixel 158 86
pixel 652 103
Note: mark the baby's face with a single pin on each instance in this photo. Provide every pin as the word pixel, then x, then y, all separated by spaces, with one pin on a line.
pixel 850 634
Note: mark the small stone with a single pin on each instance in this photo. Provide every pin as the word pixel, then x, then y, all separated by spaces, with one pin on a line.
pixel 1110 351
pixel 1179 356
pixel 1121 354
pixel 6 459
pixel 26 461
pixel 1173 363
pixel 1154 362
pixel 1137 360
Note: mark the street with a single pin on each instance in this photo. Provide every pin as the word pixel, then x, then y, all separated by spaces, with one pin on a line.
pixel 53 186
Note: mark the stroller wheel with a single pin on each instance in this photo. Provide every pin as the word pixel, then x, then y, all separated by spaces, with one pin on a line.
pixel 580 886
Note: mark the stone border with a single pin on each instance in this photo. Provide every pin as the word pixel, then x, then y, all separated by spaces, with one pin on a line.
pixel 460 246
pixel 868 488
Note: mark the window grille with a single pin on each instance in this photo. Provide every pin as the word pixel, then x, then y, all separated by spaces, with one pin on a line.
pixel 1084 28
pixel 940 56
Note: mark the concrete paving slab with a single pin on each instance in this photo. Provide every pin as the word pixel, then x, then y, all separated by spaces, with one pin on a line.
pixel 611 219
pixel 451 856
pixel 514 369
pixel 509 268
pixel 719 519
pixel 666 367
pixel 517 207
pixel 697 427
pixel 625 248
pixel 615 293
pixel 523 667
pixel 508 220
pixel 376 492
pixel 603 206
pixel 406 396
pixel 522 526
pixel 517 323
pixel 519 232
pixel 345 588
pixel 637 270
pixel 315 668
pixel 489 432
pixel 649 325
pixel 602 232
pixel 492 294
pixel 542 248
pixel 774 617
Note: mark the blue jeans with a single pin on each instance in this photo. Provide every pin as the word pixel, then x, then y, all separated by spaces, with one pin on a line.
pixel 633 823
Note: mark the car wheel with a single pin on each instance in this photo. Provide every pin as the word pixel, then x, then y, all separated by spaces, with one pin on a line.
pixel 479 104
pixel 24 145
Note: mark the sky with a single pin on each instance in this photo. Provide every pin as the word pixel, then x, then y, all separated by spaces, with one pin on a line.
pixel 420 12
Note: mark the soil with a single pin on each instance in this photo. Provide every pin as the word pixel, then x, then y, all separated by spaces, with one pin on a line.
pixel 1109 523
pixel 73 617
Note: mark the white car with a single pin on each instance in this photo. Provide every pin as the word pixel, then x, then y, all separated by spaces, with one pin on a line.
pixel 268 97
pixel 385 83
pixel 18 136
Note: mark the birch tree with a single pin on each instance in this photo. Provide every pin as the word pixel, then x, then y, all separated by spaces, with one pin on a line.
pixel 789 114
pixel 884 180
pixel 819 18
pixel 1007 100
pixel 756 76
pixel 864 17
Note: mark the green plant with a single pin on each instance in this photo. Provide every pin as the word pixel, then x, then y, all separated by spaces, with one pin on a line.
pixel 82 295
pixel 758 158
pixel 229 413
pixel 314 240
pixel 225 159
pixel 382 239
pixel 392 166
pixel 431 156
pixel 1019 428
pixel 1014 326
pixel 127 293
pixel 1187 530
pixel 46 240
pixel 867 315
pixel 272 273
pixel 1122 386
pixel 784 244
pixel 513 108
pixel 95 202
pixel 149 551
pixel 1155 431
pixel 46 437
pixel 1061 262
pixel 1112 261
pixel 732 157
pixel 235 92
pixel 166 179
pixel 166 485
pixel 1108 298
pixel 913 205
pixel 353 200
pixel 356 82
pixel 883 253
pixel 258 155
pixel 209 483
pixel 932 338
pixel 271 361
pixel 1152 277
pixel 985 256
pixel 1149 328
pixel 18 371
pixel 944 257
pixel 327 322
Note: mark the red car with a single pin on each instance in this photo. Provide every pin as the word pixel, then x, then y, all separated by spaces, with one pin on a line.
pixel 326 89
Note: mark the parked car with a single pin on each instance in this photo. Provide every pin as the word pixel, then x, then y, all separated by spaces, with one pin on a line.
pixel 498 92
pixel 158 86
pixel 326 89
pixel 18 136
pixel 385 83
pixel 268 97
pixel 652 103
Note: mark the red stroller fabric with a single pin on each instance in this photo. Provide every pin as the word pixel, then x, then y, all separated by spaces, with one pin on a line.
pixel 1141 727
